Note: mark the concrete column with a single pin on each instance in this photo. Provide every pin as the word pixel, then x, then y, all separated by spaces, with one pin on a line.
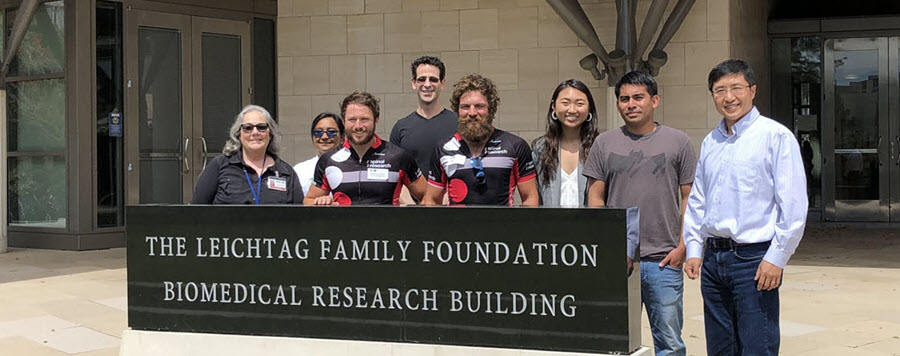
pixel 3 176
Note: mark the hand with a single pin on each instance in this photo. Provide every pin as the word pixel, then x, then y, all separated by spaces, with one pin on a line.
pixel 675 258
pixel 325 200
pixel 768 276
pixel 692 267
pixel 629 263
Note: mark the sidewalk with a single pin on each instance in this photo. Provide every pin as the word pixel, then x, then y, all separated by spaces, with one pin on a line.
pixel 840 297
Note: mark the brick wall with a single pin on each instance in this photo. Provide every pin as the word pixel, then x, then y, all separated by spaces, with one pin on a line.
pixel 327 48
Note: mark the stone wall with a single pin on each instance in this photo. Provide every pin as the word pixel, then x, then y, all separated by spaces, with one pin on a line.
pixel 328 48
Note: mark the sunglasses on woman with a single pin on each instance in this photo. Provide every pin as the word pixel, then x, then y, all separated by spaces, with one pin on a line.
pixel 332 133
pixel 248 128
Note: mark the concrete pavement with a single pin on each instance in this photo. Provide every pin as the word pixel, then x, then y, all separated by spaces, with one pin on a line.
pixel 840 297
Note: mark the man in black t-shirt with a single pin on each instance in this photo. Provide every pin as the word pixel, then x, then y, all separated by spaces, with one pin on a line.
pixel 418 132
pixel 365 169
pixel 480 165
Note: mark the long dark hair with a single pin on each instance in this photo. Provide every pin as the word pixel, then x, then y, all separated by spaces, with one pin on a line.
pixel 549 158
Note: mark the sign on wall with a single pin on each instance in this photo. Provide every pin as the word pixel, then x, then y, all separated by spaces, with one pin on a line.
pixel 540 278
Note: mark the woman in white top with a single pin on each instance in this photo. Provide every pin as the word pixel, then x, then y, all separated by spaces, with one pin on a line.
pixel 327 133
pixel 560 152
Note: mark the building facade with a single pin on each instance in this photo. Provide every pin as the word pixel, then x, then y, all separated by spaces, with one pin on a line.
pixel 111 103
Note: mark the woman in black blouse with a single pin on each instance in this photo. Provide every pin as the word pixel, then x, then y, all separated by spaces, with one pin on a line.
pixel 249 171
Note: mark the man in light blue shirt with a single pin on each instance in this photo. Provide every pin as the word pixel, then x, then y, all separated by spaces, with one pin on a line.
pixel 748 209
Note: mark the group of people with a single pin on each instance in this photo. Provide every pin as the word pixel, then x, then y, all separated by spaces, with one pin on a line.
pixel 734 216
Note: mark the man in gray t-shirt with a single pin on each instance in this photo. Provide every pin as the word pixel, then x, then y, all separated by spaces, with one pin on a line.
pixel 648 165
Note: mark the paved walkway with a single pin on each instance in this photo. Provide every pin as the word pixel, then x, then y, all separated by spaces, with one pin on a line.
pixel 840 297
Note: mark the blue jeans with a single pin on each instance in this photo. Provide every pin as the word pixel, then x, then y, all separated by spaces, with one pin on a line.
pixel 740 320
pixel 661 293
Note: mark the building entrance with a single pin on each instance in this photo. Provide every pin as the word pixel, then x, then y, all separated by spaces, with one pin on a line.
pixel 186 79
pixel 861 129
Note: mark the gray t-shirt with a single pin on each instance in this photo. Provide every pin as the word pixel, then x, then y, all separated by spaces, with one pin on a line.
pixel 646 171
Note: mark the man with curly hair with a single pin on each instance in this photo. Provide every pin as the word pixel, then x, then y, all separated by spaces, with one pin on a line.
pixel 480 164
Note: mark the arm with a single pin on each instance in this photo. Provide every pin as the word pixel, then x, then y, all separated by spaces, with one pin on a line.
pixel 317 196
pixel 319 188
pixel 405 197
pixel 417 188
pixel 675 258
pixel 792 203
pixel 693 216
pixel 436 181
pixel 528 192
pixel 433 195
pixel 207 183
pixel 596 193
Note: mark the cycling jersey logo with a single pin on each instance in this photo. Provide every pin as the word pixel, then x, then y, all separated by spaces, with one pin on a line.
pixel 334 176
pixel 341 156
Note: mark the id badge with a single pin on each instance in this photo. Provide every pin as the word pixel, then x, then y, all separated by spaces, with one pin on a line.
pixel 377 174
pixel 277 183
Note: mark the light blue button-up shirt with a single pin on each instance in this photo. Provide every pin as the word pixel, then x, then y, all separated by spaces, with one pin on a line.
pixel 750 186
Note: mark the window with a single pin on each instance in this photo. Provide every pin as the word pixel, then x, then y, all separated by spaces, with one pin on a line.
pixel 36 114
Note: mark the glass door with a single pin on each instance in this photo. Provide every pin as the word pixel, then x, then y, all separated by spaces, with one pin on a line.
pixel 857 130
pixel 894 129
pixel 186 79
pixel 158 114
pixel 221 53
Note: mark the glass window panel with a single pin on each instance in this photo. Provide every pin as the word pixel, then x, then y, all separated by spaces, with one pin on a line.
pixel 264 63
pixel 856 128
pixel 160 180
pixel 37 115
pixel 110 149
pixel 221 87
pixel 806 84
pixel 857 175
pixel 160 115
pixel 37 191
pixel 159 95
pixel 43 48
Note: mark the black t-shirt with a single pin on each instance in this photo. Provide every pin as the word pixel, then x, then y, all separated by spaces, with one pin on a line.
pixel 224 181
pixel 506 162
pixel 418 135
pixel 376 178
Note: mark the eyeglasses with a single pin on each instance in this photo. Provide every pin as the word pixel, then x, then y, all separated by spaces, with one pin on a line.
pixel 478 170
pixel 736 90
pixel 332 133
pixel 422 79
pixel 248 128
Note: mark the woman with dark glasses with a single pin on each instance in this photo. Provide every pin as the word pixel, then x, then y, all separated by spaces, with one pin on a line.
pixel 327 133
pixel 561 151
pixel 249 171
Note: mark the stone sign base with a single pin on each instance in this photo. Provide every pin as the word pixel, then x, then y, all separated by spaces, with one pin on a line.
pixel 154 343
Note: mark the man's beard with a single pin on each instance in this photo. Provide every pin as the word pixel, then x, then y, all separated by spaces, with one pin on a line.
pixel 365 140
pixel 475 130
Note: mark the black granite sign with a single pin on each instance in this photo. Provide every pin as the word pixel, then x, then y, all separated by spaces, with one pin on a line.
pixel 539 278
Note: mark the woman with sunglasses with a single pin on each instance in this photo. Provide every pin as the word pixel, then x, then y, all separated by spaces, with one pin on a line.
pixel 560 152
pixel 249 171
pixel 327 133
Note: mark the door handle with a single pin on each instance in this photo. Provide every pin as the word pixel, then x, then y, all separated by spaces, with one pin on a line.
pixel 898 149
pixel 203 141
pixel 877 148
pixel 184 158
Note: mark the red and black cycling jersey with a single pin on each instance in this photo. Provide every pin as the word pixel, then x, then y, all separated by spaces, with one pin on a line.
pixel 505 162
pixel 376 178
